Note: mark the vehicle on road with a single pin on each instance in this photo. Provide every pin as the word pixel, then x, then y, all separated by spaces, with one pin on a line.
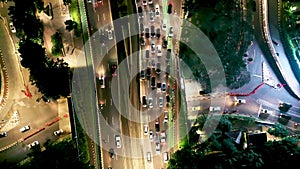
pixel 159 52
pixel 144 101
pixel 3 134
pixel 149 156
pixel 151 16
pixel 118 141
pixel 166 117
pixel 140 11
pixel 158 33
pixel 161 101
pixel 196 108
pixel 157 129
pixel 158 70
pixel 58 132
pixel 150 102
pixel 276 43
pixel 217 108
pixel 240 101
pixel 171 31
pixel 164 25
pixel 166 157
pixel 151 135
pixel 157 11
pixel 285 116
pixel 102 82
pixel 152 29
pixel 144 2
pixel 169 8
pixel 109 34
pixel 153 48
pixel 113 69
pixel 33 144
pixel 163 137
pixel 143 74
pixel 148 72
pixel 25 128
pixel 163 87
pixel 12 27
pixel 157 148
pixel 145 129
pixel 147 34
pixel 153 84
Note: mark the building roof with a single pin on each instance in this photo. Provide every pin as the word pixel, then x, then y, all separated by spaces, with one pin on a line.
pixel 256 139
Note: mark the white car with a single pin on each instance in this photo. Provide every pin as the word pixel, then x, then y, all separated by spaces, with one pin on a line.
pixel 150 103
pixel 171 31
pixel 153 47
pixel 166 117
pixel 161 101
pixel 102 82
pixel 164 25
pixel 35 143
pixel 145 129
pixel 159 52
pixel 118 141
pixel 163 137
pixel 150 1
pixel 157 148
pixel 151 135
pixel 166 157
pixel 148 156
pixel 109 34
pixel 12 27
pixel 196 108
pixel 25 128
pixel 217 108
pixel 144 2
pixel 157 12
pixel 240 101
pixel 58 132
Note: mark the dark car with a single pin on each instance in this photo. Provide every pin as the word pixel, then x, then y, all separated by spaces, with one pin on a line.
pixel 284 107
pixel 276 43
pixel 140 11
pixel 168 53
pixel 3 134
pixel 113 69
pixel 167 98
pixel 157 129
pixel 142 30
pixel 153 83
pixel 169 8
pixel 168 69
pixel 158 33
pixel 143 74
pixel 144 101
pixel 158 68
pixel 147 32
pixel 285 116
pixel 147 54
pixel 165 43
pixel 158 85
pixel 148 72
pixel 152 32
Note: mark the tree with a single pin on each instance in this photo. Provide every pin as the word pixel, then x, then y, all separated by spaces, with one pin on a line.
pixel 278 130
pixel 67 2
pixel 70 25
pixel 246 159
pixel 57 44
pixel 224 125
pixel 39 4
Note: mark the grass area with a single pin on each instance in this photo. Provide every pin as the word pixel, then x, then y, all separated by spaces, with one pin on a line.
pixel 75 14
pixel 242 122
pixel 82 143
pixel 186 71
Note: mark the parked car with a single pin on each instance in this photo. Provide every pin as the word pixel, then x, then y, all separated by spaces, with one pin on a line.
pixel 196 108
pixel 164 25
pixel 144 101
pixel 153 48
pixel 12 27
pixel 285 116
pixel 148 72
pixel 149 156
pixel 109 34
pixel 157 128
pixel 159 51
pixel 152 29
pixel 58 132
pixel 33 144
pixel 3 134
pixel 147 30
pixel 157 11
pixel 113 69
pixel 150 2
pixel 102 82
pixel 166 117
pixel 153 84
pixel 166 157
pixel 163 137
pixel 217 108
pixel 163 87
pixel 168 56
pixel 151 135
pixel 118 141
pixel 157 148
pixel 140 11
pixel 171 31
pixel 150 102
pixel 151 16
pixel 144 2
pixel 276 43
pixel 240 101
pixel 25 128
pixel 158 70
pixel 169 8
pixel 161 101
pixel 143 74
pixel 145 129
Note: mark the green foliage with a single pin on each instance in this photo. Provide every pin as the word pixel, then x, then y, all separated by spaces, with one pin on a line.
pixel 278 130
pixel 39 4
pixel 75 14
pixel 67 2
pixel 57 44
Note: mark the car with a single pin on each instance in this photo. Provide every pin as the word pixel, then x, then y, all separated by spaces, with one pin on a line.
pixel 240 101
pixel 113 69
pixel 157 148
pixel 285 116
pixel 169 8
pixel 157 12
pixel 276 43
pixel 284 106
pixel 142 28
pixel 157 129
pixel 140 11
pixel 149 156
pixel 144 101
pixel 143 74
pixel 150 102
pixel 147 30
pixel 159 51
pixel 142 41
pixel 196 108
pixel 25 128
pixel 168 56
pixel 111 153
pixel 171 31
pixel 109 34
pixel 118 141
pixel 148 72
pixel 161 101
pixel 153 84
pixel 163 87
pixel 166 117
pixel 166 157
pixel 150 2
pixel 152 29
pixel 153 63
pixel 12 27
pixel 264 111
pixel 153 48
pixel 147 54
pixel 167 98
pixel 164 25
pixel 158 70
pixel 144 2
pixel 217 108
pixel 165 43
pixel 58 132
pixel 151 16
pixel 151 135
pixel 102 82
pixel 168 70
pixel 158 33
pixel 145 129
pixel 33 144
pixel 3 134
pixel 163 137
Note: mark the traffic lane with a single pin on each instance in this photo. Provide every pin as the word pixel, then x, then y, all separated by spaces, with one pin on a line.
pixel 103 12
